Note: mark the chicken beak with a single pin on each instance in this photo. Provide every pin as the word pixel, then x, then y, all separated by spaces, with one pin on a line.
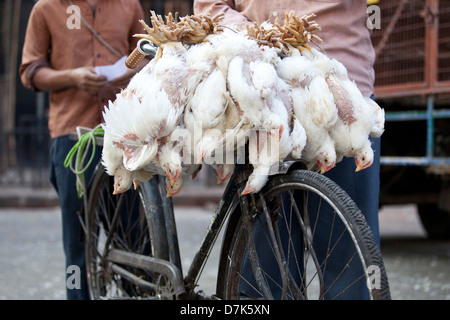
pixel 168 192
pixel 324 168
pixel 116 192
pixel 136 184
pixel 219 180
pixel 247 190
pixel 360 167
pixel 280 132
pixel 200 159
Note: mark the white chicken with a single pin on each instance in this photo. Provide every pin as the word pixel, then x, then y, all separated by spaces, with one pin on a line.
pixel 272 147
pixel 356 118
pixel 230 133
pixel 208 105
pixel 186 172
pixel 263 149
pixel 141 117
pixel 249 101
pixel 230 43
pixel 169 159
pixel 299 139
pixel 379 117
pixel 141 82
pixel 112 160
pixel 137 142
pixel 316 111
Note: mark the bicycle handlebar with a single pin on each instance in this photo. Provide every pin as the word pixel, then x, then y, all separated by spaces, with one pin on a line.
pixel 143 48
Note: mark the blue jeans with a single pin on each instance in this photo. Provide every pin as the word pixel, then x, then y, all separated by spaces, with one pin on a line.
pixel 63 180
pixel 363 187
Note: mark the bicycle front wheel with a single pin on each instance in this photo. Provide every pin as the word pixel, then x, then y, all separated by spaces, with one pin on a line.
pixel 129 223
pixel 302 237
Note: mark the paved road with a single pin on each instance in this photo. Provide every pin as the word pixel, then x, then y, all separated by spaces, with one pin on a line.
pixel 32 262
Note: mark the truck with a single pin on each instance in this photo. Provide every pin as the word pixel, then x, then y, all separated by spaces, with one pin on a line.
pixel 412 71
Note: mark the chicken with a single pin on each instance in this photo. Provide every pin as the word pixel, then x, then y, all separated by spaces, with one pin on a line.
pixel 364 156
pixel 231 43
pixel 223 171
pixel 187 171
pixel 177 79
pixel 249 101
pixel 270 148
pixel 140 83
pixel 214 113
pixel 121 130
pixel 299 139
pixel 316 111
pixel 169 159
pixel 263 155
pixel 140 120
pixel 272 91
pixel 297 71
pixel 356 118
pixel 379 115
pixel 112 160
pixel 208 105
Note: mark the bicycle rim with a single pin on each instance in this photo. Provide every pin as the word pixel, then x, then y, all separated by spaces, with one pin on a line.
pixel 302 237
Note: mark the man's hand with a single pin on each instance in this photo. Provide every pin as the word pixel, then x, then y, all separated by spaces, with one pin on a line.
pixel 87 79
pixel 122 81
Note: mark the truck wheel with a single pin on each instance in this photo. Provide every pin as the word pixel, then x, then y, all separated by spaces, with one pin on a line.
pixel 435 221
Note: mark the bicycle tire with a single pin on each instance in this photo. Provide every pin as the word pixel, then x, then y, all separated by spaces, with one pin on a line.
pixel 257 245
pixel 135 230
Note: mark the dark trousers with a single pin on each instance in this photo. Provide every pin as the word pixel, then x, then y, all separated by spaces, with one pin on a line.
pixel 63 180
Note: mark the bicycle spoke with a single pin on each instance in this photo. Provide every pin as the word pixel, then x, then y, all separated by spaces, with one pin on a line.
pixel 308 242
pixel 295 290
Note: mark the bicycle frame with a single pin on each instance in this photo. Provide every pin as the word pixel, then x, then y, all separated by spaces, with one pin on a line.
pixel 230 199
pixel 226 205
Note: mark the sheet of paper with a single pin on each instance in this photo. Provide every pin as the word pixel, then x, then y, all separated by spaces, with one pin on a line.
pixel 114 70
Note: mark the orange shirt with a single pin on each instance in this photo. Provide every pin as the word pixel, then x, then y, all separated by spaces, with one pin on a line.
pixel 345 34
pixel 53 39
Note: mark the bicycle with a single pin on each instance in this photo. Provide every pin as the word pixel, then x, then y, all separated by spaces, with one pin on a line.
pixel 132 245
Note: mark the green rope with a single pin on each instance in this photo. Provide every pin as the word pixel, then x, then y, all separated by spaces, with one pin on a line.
pixel 79 152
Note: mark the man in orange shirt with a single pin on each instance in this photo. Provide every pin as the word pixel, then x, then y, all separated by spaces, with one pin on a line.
pixel 59 56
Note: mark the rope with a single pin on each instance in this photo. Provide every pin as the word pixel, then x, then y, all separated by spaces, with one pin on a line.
pixel 80 151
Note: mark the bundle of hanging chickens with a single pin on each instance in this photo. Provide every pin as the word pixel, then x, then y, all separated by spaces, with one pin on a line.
pixel 211 89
